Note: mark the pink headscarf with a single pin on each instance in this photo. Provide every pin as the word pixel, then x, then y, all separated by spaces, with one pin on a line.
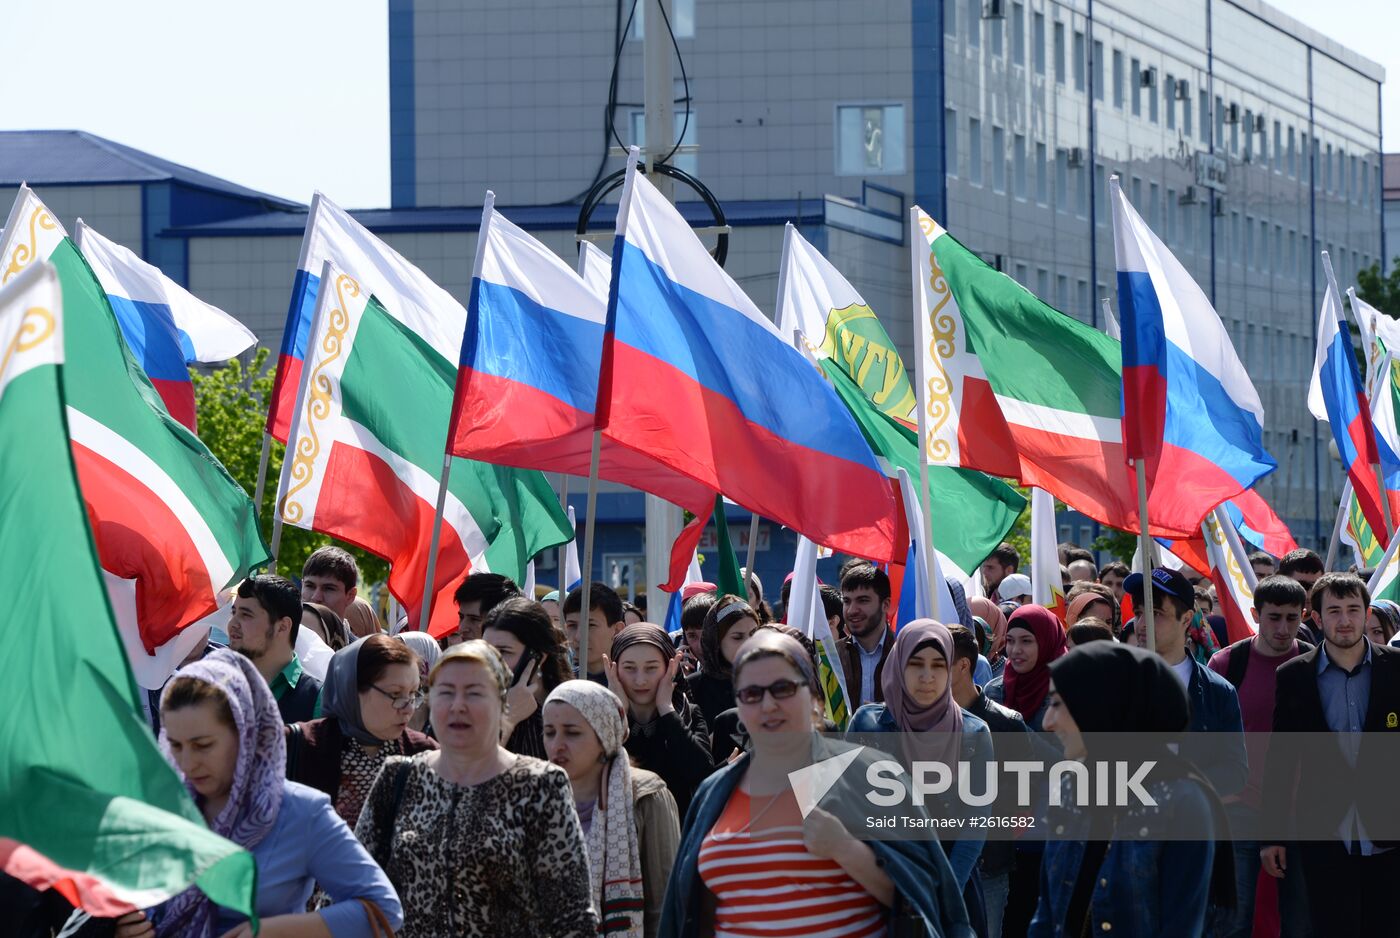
pixel 1024 693
pixel 990 613
pixel 939 725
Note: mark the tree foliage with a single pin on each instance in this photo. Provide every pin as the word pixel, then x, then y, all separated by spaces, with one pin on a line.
pixel 231 401
pixel 1381 292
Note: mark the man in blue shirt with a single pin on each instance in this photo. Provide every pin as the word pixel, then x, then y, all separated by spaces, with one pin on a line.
pixel 263 628
pixel 1349 687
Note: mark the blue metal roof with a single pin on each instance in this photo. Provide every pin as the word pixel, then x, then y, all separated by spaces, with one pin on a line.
pixel 529 217
pixel 75 157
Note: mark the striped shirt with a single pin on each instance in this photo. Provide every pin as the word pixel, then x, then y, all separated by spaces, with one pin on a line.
pixel 766 884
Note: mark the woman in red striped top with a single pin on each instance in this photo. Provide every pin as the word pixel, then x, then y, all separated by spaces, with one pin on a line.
pixel 771 873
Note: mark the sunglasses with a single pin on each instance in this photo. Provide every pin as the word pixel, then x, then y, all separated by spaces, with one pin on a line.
pixel 781 690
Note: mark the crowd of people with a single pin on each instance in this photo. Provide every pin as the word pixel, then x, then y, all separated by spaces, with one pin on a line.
pixel 491 784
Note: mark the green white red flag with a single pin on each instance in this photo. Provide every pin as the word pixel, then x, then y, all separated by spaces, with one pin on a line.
pixel 365 453
pixel 90 807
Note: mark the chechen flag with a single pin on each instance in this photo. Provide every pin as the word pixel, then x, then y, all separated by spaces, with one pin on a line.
pixel 1231 573
pixel 411 298
pixel 166 327
pixel 90 808
pixel 164 511
pixel 1190 411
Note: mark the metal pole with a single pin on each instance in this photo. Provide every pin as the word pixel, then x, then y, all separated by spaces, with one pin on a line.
pixel 1334 545
pixel 561 586
pixel 663 520
pixel 753 543
pixel 426 614
pixel 587 571
pixel 1089 172
pixel 262 472
pixel 1312 283
pixel 1145 614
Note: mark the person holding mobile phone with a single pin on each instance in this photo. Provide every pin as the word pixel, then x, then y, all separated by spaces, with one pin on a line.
pixel 521 630
pixel 666 733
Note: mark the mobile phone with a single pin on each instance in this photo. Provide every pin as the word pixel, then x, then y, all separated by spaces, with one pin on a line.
pixel 527 657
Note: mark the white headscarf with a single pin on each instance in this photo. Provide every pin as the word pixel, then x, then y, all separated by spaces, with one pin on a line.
pixel 614 858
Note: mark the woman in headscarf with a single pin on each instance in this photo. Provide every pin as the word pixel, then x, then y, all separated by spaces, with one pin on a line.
pixel 521 630
pixel 990 613
pixel 629 817
pixel 918 702
pixel 324 622
pixel 479 841
pixel 1383 621
pixel 361 619
pixel 1034 638
pixel 223 733
pixel 665 732
pixel 1106 873
pixel 370 694
pixel 808 872
pixel 428 651
pixel 729 621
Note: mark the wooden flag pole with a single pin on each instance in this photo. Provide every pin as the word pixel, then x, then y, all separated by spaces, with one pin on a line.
pixel 587 571
pixel 1145 614
pixel 428 592
pixel 1334 546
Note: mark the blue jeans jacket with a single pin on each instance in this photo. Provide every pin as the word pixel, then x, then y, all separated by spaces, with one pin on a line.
pixel 1214 742
pixel 976 751
pixel 1144 889
pixel 928 902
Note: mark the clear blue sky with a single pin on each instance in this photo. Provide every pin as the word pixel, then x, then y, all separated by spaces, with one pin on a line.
pixel 293 95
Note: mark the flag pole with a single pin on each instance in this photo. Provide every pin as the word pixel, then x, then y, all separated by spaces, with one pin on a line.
pixel 753 542
pixel 586 572
pixel 262 472
pixel 427 612
pixel 915 277
pixel 562 587
pixel 1334 545
pixel 1145 614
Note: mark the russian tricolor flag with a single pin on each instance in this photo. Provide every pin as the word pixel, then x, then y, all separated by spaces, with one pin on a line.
pixel 166 327
pixel 1189 408
pixel 404 291
pixel 1337 396
pixel 695 377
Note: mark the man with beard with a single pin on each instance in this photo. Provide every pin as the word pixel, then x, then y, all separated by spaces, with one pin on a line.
pixel 865 601
pixel 263 628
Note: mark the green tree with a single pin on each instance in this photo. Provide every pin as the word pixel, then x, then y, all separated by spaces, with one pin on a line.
pixel 231 401
pixel 1382 292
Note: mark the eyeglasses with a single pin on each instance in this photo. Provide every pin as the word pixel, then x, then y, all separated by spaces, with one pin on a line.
pixel 781 690
pixel 399 702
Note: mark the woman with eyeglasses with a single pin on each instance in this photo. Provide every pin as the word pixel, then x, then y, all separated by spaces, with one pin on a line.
pixel 480 842
pixel 751 864
pixel 369 696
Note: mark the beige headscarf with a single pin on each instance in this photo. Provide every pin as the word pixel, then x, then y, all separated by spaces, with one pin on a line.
pixel 361 619
pixel 614 858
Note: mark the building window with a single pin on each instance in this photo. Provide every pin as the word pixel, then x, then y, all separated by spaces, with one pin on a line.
pixel 1061 292
pixel 1206 214
pixel 1205 117
pixel 1078 60
pixel 1042 176
pixel 682 20
pixel 1292 155
pixel 1278 249
pixel 995 26
pixel 1098 71
pixel 1018 34
pixel 1081 182
pixel 1135 79
pixel 1263 245
pixel 1135 194
pixel 1023 276
pixel 950 18
pixel 1082 301
pixel 1118 78
pixel 1236 241
pixel 1152 96
pixel 950 141
pixel 1248 135
pixel 974 23
pixel 1060 53
pixel 998 159
pixel 1170 226
pixel 1278 147
pixel 1327 171
pixel 1018 164
pixel 1038 42
pixel 1062 180
pixel 1169 98
pixel 869 139
pixel 1154 206
pixel 687 162
pixel 1042 283
pixel 974 151
pixel 1186 115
